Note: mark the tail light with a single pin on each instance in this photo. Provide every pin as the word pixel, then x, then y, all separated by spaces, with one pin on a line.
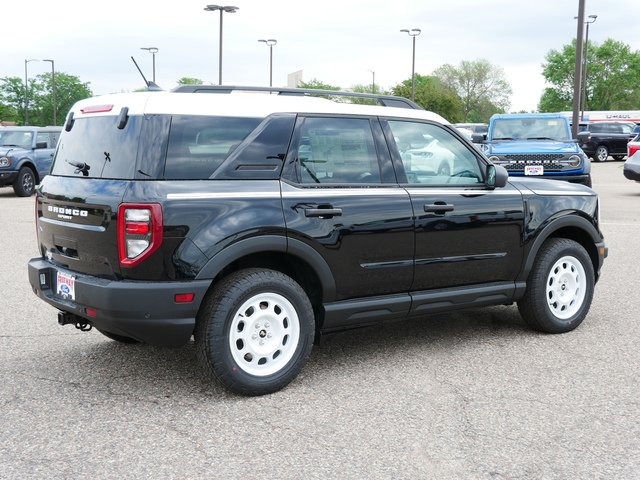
pixel 139 232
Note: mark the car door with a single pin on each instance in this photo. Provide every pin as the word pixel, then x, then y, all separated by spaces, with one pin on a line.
pixel 465 232
pixel 44 156
pixel 341 199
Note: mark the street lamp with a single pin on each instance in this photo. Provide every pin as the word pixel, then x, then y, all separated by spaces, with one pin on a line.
pixel 26 92
pixel 270 43
pixel 53 83
pixel 414 32
pixel 152 51
pixel 586 62
pixel 213 8
pixel 373 84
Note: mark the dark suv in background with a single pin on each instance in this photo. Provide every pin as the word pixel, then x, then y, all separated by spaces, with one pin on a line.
pixel 257 222
pixel 607 138
pixel 25 156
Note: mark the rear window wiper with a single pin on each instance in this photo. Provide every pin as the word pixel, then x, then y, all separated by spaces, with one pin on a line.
pixel 81 167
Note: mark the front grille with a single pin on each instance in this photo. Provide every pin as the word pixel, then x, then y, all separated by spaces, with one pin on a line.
pixel 550 161
pixel 538 157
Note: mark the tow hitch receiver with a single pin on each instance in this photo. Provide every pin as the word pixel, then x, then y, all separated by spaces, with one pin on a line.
pixel 66 318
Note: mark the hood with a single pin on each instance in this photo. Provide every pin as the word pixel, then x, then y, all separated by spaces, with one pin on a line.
pixel 6 151
pixel 533 146
pixel 543 186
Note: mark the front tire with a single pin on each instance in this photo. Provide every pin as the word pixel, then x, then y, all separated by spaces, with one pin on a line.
pixel 602 153
pixel 25 183
pixel 255 331
pixel 560 287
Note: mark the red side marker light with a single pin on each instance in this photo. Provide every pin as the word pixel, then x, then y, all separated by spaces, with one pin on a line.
pixel 184 297
pixel 90 312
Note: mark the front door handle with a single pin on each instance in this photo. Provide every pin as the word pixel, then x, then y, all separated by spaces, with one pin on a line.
pixel 323 212
pixel 438 208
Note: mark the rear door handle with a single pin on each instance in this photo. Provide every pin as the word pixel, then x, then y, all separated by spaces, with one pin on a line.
pixel 322 212
pixel 440 208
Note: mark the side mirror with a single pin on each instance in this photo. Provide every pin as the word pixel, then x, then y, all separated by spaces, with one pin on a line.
pixel 477 138
pixel 583 137
pixel 497 176
pixel 42 145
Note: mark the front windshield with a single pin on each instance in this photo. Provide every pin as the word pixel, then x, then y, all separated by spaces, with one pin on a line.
pixel 530 129
pixel 16 138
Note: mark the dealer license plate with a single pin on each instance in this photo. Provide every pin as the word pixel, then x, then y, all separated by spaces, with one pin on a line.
pixel 66 286
pixel 534 170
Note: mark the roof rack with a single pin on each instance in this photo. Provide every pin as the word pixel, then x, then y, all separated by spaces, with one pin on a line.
pixel 384 100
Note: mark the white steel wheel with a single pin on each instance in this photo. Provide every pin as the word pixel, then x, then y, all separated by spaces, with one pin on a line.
pixel 254 331
pixel 566 287
pixel 264 334
pixel 559 288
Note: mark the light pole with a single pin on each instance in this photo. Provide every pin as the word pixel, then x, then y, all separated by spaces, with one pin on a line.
pixel 586 61
pixel 373 84
pixel 53 84
pixel 213 8
pixel 577 77
pixel 26 92
pixel 152 51
pixel 270 43
pixel 414 32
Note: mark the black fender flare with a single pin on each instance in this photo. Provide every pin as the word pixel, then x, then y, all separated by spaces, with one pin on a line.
pixel 574 221
pixel 273 243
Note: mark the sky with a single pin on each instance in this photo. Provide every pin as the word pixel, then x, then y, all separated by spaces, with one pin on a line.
pixel 341 43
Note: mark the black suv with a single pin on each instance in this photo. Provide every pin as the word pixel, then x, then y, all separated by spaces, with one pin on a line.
pixel 607 138
pixel 258 222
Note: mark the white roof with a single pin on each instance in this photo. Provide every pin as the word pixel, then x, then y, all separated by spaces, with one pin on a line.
pixel 236 104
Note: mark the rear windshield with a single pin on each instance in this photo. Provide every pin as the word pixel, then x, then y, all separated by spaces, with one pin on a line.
pixel 95 147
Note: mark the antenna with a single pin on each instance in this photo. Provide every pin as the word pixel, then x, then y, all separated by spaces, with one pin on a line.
pixel 152 87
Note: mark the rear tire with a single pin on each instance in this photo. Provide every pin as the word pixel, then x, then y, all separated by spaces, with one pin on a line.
pixel 560 287
pixel 254 331
pixel 25 184
pixel 601 154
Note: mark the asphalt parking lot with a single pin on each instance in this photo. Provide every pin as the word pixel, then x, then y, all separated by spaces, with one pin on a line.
pixel 474 395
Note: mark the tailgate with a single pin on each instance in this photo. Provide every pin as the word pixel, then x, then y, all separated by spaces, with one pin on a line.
pixel 77 223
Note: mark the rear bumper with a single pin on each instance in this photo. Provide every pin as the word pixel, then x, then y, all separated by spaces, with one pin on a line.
pixel 145 311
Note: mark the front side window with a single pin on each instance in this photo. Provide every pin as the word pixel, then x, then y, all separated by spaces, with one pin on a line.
pixel 338 150
pixel 431 154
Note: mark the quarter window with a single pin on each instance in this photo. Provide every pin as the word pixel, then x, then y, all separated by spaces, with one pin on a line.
pixel 338 150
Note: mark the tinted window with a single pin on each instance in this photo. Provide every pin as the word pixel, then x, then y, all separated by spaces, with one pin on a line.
pixel 431 154
pixel 199 145
pixel 95 147
pixel 338 150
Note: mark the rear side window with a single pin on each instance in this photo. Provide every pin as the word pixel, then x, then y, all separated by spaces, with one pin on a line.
pixel 199 145
pixel 96 148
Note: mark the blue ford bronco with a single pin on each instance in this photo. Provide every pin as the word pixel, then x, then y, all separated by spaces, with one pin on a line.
pixel 537 145
pixel 25 156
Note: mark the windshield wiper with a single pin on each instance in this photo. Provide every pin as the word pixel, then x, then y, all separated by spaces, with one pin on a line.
pixel 504 138
pixel 540 138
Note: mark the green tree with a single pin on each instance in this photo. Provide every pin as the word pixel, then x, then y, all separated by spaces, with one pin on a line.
pixel 190 81
pixel 69 89
pixel 613 77
pixel 482 87
pixel 432 95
